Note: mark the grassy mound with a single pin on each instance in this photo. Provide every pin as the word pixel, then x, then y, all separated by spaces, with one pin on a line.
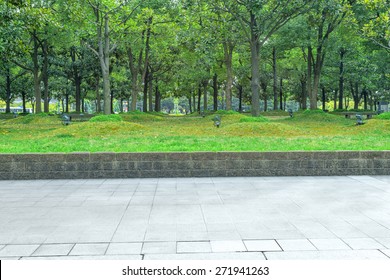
pixel 253 119
pixel 141 116
pixel 106 118
pixel 384 116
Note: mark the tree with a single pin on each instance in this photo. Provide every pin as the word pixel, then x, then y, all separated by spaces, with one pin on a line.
pixel 260 20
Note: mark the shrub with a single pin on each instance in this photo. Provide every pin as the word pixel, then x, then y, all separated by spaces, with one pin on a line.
pixel 106 118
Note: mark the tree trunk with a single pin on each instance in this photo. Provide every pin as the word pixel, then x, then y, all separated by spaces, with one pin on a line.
pixel 24 101
pixel 341 78
pixel 205 96
pixel 36 74
pixel 255 47
pixel 228 51
pixel 365 99
pixel 239 98
pixel 150 94
pixel 199 95
pixel 97 91
pixel 45 76
pixel 281 94
pixel 145 99
pixel 335 99
pixel 157 104
pixel 275 81
pixel 215 91
pixel 304 93
pixel 77 79
pixel 323 98
pixel 309 72
pixel 8 92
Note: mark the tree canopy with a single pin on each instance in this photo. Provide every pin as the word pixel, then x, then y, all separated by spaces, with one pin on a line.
pixel 127 55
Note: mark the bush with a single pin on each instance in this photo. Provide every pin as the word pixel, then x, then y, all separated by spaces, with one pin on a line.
pixel 384 116
pixel 106 118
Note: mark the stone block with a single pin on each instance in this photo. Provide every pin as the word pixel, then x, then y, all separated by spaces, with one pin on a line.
pixel 238 164
pixel 200 173
pixel 323 155
pixel 128 156
pixel 298 156
pixel 203 156
pixel 77 157
pixel 102 157
pixel 154 156
pixel 230 155
pixel 345 155
pixel 144 165
pixel 178 156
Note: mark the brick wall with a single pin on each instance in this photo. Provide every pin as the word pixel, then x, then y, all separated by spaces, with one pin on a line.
pixel 197 164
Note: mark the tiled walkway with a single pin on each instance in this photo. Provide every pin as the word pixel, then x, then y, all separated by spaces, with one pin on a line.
pixel 197 218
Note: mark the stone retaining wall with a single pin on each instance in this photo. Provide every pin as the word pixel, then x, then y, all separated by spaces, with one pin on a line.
pixel 197 164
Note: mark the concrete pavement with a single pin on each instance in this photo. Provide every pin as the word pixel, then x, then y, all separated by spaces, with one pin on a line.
pixel 197 218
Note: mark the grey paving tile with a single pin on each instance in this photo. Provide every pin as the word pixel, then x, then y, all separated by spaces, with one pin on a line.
pixel 89 249
pixel 330 244
pixel 53 250
pixel 386 252
pixel 363 243
pixel 206 256
pixel 159 248
pixel 218 246
pixel 192 236
pixel 327 255
pixel 194 247
pixel 384 241
pixel 262 245
pixel 296 245
pixel 124 248
pixel 105 257
pixel 17 250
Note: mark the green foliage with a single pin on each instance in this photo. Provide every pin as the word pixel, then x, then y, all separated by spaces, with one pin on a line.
pixel 106 118
pixel 384 116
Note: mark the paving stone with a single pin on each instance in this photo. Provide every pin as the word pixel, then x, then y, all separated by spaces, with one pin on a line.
pixel 384 241
pixel 262 245
pixel 218 246
pixel 159 248
pixel 207 256
pixel 17 250
pixel 105 257
pixel 363 243
pixel 193 247
pixel 329 244
pixel 124 248
pixel 296 245
pixel 327 255
pixel 92 249
pixel 53 250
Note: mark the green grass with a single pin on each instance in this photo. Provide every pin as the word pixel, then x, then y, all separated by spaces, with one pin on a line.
pixel 141 132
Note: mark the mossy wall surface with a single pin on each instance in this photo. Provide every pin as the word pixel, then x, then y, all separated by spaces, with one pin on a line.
pixel 194 164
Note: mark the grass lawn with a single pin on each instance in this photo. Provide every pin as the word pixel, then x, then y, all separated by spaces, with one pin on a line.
pixel 139 132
